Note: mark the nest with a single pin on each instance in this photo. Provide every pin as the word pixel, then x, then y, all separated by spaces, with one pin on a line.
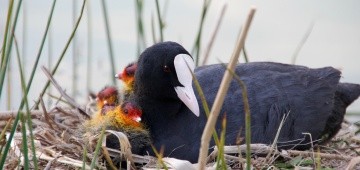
pixel 60 142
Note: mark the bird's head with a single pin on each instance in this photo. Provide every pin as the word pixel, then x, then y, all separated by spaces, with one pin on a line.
pixel 127 75
pixel 164 73
pixel 108 96
pixel 131 110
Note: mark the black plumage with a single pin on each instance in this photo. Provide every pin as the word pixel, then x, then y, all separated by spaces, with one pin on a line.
pixel 314 100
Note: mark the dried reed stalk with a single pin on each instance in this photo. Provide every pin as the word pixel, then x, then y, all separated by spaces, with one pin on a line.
pixel 224 86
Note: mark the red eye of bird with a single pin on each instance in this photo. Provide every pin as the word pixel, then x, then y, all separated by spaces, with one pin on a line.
pixel 167 69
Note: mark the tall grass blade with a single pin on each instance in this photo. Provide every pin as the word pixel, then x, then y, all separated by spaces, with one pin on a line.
pixel 220 97
pixel 24 142
pixel 50 60
pixel 221 164
pixel 89 48
pixel 109 41
pixel 3 131
pixel 7 48
pixel 213 36
pixel 74 54
pixel 161 24
pixel 247 117
pixel 153 29
pixel 301 44
pixel 159 156
pixel 197 46
pixel 29 120
pixel 8 89
pixel 24 35
pixel 84 158
pixel 205 105
pixel 63 52
pixel 13 129
pixel 6 31
pixel 97 149
pixel 207 112
pixel 141 41
pixel 245 55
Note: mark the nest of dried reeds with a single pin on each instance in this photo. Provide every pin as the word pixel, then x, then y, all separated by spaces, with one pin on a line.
pixel 61 143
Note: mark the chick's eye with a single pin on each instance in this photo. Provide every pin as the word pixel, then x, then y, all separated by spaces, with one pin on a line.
pixel 167 69
pixel 126 111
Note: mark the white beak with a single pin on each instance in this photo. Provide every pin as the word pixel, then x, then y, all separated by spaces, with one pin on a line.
pixel 182 63
pixel 138 119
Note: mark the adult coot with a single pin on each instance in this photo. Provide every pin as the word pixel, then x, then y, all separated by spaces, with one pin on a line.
pixel 313 99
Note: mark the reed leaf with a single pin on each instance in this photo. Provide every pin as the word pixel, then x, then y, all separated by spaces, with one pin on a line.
pixel 161 25
pixel 301 44
pixel 63 53
pixel 7 47
pixel 109 41
pixel 84 158
pixel 29 120
pixel 141 41
pixel 221 163
pixel 74 54
pixel 7 27
pixel 159 156
pixel 24 142
pixel 97 149
pixel 197 46
pixel 13 129
pixel 89 48
pixel 205 105
pixel 247 117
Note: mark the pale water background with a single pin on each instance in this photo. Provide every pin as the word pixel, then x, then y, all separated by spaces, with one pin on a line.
pixel 276 31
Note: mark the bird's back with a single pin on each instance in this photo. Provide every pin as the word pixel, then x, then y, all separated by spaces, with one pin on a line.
pixel 306 96
pixel 274 91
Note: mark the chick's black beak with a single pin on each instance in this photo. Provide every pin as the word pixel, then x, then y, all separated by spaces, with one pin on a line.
pixel 184 66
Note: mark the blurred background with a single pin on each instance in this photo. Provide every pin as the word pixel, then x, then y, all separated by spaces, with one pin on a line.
pixel 311 33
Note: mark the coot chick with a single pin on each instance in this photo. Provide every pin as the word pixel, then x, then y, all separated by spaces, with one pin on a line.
pixel 127 77
pixel 314 100
pixel 124 117
pixel 107 99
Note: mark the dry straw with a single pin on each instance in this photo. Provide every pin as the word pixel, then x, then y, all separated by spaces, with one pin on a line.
pixel 224 86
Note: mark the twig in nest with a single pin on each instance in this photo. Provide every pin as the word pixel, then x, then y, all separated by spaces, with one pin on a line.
pixel 273 146
pixel 124 144
pixel 107 157
pixel 48 165
pixel 67 97
pixel 58 99
pixel 353 162
pixel 47 118
pixel 62 159
pixel 322 155
pixel 66 112
pixel 312 148
pixel 6 115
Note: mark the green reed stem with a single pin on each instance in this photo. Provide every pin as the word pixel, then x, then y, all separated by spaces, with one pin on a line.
pixel 109 41
pixel 161 25
pixel 13 129
pixel 63 52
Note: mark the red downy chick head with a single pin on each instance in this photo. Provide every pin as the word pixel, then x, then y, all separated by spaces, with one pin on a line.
pixel 127 75
pixel 132 111
pixel 107 97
